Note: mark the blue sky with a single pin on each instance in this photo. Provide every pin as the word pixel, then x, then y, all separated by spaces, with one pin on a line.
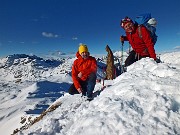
pixel 46 26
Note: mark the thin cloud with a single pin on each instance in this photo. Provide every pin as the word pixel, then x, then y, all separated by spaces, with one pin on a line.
pixel 56 53
pixel 9 41
pixel 35 20
pixel 177 48
pixel 44 17
pixel 35 42
pixel 49 35
pixel 39 18
pixel 74 38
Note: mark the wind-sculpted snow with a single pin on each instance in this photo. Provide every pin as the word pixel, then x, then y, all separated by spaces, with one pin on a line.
pixel 142 101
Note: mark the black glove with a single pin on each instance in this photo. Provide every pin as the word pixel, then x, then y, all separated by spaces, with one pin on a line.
pixel 158 60
pixel 122 39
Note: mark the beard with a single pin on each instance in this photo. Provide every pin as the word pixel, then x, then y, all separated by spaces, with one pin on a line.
pixel 85 56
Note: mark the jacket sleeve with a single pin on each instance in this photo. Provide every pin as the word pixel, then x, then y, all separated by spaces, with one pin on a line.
pixel 92 68
pixel 75 76
pixel 148 42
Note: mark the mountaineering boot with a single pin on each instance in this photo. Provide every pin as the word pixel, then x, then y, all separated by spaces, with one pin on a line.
pixel 89 98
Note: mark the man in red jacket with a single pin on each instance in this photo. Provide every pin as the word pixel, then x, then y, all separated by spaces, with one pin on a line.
pixel 142 46
pixel 83 73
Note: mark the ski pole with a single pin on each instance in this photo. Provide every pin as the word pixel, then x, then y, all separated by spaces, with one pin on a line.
pixel 122 52
pixel 104 76
pixel 129 48
pixel 122 43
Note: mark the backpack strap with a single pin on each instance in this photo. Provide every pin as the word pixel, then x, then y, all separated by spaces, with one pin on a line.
pixel 139 31
pixel 140 35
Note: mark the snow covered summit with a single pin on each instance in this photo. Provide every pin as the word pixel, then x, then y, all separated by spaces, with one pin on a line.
pixel 143 100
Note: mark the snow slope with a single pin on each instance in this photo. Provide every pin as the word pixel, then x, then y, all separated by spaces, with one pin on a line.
pixel 143 100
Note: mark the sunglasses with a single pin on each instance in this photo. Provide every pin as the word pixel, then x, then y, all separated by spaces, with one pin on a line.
pixel 125 20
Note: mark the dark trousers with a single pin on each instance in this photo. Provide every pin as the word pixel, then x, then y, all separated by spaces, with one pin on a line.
pixel 133 57
pixel 87 86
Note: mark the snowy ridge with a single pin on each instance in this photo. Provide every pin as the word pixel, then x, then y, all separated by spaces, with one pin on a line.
pixel 143 100
pixel 29 84
pixel 147 105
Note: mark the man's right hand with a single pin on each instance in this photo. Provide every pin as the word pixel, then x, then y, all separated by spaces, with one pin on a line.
pixel 80 75
pixel 79 90
pixel 122 39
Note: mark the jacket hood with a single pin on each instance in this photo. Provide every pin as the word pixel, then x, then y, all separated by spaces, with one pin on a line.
pixel 77 54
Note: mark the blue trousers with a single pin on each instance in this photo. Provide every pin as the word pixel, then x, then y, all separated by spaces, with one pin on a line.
pixel 87 86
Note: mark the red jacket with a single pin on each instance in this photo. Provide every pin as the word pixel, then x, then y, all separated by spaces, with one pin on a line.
pixel 143 46
pixel 85 66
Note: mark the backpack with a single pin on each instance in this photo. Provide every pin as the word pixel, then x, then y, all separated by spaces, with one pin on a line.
pixel 149 22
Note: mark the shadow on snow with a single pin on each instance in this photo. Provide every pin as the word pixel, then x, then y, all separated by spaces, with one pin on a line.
pixel 46 92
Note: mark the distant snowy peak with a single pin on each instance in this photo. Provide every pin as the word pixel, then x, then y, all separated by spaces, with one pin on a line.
pixel 26 67
pixel 168 57
pixel 120 53
pixel 23 59
pixel 56 54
